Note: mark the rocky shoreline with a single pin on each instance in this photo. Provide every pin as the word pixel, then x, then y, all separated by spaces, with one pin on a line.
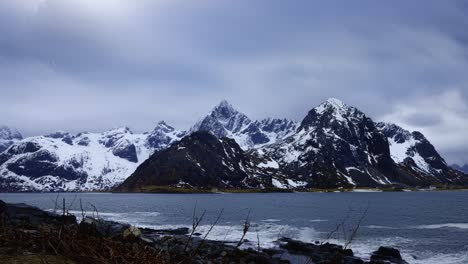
pixel 31 235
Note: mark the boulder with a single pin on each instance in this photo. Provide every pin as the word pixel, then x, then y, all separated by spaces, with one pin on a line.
pixel 131 233
pixel 387 254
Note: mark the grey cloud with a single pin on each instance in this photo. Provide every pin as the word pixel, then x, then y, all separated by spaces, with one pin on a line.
pixel 87 65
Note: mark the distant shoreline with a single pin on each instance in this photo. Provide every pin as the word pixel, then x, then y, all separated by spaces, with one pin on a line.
pixel 239 191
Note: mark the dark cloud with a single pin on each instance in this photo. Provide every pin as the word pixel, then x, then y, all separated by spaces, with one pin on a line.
pixel 84 64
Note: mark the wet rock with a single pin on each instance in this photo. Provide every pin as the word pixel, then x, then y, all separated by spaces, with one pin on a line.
pixel 167 232
pixel 387 254
pixel 353 260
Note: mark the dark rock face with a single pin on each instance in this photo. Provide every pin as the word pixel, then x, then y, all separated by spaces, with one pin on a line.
pixel 65 136
pixel 125 150
pixel 198 160
pixel 43 163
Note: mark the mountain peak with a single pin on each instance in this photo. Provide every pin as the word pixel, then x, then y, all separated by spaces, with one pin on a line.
pixel 163 126
pixel 332 103
pixel 335 102
pixel 224 108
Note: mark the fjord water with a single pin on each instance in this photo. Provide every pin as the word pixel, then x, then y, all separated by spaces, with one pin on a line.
pixel 428 227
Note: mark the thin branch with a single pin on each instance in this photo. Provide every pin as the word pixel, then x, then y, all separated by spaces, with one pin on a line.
pixel 246 229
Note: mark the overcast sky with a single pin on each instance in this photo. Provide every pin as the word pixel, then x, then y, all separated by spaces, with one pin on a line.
pixel 92 65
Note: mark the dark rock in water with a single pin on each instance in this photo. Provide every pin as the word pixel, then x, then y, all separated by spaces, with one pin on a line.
pixel 387 254
pixel 353 260
pixel 325 253
pixel 167 232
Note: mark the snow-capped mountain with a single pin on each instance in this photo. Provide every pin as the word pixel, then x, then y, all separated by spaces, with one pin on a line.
pixel 8 136
pixel 225 121
pixel 87 161
pixel 335 145
pixel 463 168
pixel 413 152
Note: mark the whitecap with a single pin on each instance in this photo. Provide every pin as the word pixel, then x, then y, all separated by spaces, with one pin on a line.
pixel 379 227
pixel 271 220
pixel 463 226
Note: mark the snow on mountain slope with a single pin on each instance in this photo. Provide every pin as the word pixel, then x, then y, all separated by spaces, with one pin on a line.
pixel 8 136
pixel 413 151
pixel 86 161
pixel 225 121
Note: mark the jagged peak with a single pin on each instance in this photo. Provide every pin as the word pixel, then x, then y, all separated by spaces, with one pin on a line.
pixel 224 108
pixel 162 125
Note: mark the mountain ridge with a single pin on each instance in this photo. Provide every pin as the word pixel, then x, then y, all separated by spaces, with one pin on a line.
pixel 335 145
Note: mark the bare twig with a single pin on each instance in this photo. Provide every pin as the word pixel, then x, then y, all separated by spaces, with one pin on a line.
pixel 209 230
pixel 355 229
pixel 56 203
pixel 338 226
pixel 195 223
pixel 258 242
pixel 72 202
pixel 246 229
pixel 83 213
pixel 63 206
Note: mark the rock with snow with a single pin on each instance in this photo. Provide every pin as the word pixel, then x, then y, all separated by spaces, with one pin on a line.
pixel 163 136
pixel 8 136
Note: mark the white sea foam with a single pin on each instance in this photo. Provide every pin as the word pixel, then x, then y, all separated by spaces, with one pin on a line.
pixel 431 258
pixel 268 232
pixel 463 226
pixel 130 217
pixel 379 227
pixel 317 220
pixel 271 220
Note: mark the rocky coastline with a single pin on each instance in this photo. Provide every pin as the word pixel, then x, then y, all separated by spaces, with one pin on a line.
pixel 31 235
